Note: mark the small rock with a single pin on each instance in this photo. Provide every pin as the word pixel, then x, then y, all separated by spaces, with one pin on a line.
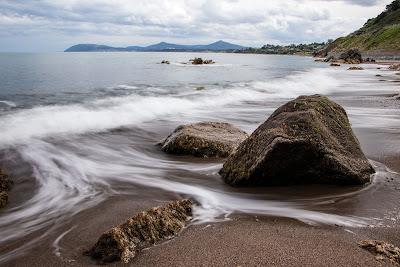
pixel 165 62
pixel 200 88
pixel 208 61
pixel 378 75
pixel 382 250
pixel 122 243
pixel 204 139
pixel 200 61
pixel 355 68
pixel 394 67
pixel 335 64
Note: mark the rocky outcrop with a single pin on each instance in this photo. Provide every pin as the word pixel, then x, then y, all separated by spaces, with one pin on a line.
pixel 5 186
pixel 204 139
pixel 200 61
pixel 355 68
pixel 307 140
pixel 382 250
pixel 352 56
pixel 122 243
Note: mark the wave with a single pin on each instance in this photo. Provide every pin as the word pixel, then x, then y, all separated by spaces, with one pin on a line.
pixel 8 103
pixel 134 109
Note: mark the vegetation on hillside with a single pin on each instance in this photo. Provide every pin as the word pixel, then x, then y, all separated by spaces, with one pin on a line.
pixel 293 49
pixel 380 33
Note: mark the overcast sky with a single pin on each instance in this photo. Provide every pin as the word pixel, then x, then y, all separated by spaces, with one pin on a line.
pixel 54 25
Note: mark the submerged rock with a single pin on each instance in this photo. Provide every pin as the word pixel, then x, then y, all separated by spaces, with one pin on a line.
pixel 307 140
pixel 122 243
pixel 355 68
pixel 204 139
pixel 165 62
pixel 382 250
pixel 200 61
pixel 5 186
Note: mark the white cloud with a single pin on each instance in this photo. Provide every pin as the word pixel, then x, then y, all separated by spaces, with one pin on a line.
pixel 124 22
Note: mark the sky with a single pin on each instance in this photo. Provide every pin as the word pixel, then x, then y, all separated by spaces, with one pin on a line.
pixel 54 25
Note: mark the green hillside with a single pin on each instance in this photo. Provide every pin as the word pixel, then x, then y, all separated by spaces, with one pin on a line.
pixel 380 34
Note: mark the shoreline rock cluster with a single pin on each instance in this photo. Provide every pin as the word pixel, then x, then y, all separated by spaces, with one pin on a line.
pixel 352 56
pixel 5 186
pixel 122 243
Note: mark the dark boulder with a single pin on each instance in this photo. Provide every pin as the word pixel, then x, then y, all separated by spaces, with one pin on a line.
pixel 200 61
pixel 197 61
pixel 165 62
pixel 122 243
pixel 204 139
pixel 307 140
pixel 334 64
pixel 352 56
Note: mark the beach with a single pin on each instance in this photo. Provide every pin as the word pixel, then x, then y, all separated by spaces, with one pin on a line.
pixel 99 164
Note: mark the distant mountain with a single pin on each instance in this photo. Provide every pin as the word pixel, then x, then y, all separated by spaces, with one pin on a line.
pixel 379 37
pixel 92 48
pixel 160 47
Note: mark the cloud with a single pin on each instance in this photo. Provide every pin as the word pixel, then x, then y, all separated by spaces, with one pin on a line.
pixel 124 22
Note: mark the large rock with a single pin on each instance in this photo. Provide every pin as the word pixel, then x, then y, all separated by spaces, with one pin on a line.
pixel 204 139
pixel 5 186
pixel 307 140
pixel 122 243
pixel 352 56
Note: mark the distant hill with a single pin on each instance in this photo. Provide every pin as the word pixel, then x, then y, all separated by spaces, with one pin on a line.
pixel 160 47
pixel 379 37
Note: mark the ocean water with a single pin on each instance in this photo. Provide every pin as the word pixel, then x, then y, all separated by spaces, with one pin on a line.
pixel 80 128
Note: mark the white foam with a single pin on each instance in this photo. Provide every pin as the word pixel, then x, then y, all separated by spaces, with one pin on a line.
pixel 114 112
pixel 8 103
